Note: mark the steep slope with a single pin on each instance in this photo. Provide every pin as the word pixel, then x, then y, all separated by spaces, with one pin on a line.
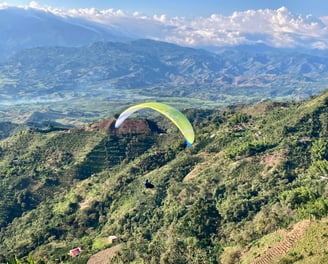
pixel 281 249
pixel 252 170
pixel 6 129
pixel 303 242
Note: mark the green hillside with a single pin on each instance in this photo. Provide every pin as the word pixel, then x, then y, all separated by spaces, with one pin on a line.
pixel 252 189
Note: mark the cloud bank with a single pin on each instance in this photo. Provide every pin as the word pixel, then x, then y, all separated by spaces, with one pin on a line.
pixel 277 28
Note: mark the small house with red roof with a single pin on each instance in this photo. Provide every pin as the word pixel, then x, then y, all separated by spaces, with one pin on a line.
pixel 75 252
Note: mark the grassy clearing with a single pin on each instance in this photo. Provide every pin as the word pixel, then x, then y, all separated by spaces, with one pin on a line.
pixel 100 243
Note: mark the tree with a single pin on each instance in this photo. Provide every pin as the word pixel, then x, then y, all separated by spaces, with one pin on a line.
pixel 318 208
pixel 297 197
pixel 319 150
pixel 202 220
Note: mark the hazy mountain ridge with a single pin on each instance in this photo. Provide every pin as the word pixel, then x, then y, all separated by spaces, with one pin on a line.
pixel 27 28
pixel 159 69
pixel 99 25
pixel 251 171
pixel 63 72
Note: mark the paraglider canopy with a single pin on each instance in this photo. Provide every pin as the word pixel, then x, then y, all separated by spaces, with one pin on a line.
pixel 170 112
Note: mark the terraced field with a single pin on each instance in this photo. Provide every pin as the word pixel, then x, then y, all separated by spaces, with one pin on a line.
pixel 273 253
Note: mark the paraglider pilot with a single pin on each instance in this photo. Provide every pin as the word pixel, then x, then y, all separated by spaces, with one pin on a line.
pixel 148 184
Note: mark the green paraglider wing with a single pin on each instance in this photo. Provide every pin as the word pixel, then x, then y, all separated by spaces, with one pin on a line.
pixel 170 112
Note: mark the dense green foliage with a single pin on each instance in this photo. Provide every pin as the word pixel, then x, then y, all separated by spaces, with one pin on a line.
pixel 252 170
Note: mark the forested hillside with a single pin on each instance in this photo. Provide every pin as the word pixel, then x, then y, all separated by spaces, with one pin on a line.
pixel 251 189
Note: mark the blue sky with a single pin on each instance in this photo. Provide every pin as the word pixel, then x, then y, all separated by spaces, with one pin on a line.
pixel 189 8
pixel 203 23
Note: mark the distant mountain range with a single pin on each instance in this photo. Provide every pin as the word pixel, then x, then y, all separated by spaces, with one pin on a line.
pixel 157 69
pixel 22 28
pixel 27 28
pixel 66 62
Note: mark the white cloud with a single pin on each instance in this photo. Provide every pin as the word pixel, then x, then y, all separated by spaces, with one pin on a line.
pixel 274 27
pixel 279 28
pixel 161 18
pixel 3 5
pixel 34 4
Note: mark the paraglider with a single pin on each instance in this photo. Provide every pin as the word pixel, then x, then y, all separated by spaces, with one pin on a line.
pixel 170 112
pixel 148 184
